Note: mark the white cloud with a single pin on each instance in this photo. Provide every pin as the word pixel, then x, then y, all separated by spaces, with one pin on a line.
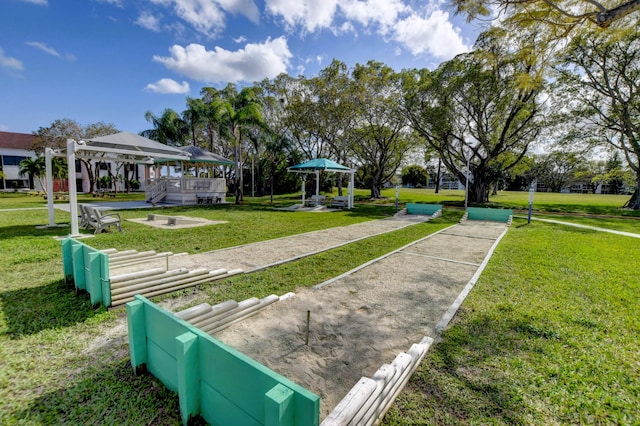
pixel 167 86
pixel 49 50
pixel 245 8
pixel 309 14
pixel 38 2
pixel 204 15
pixel 208 16
pixel 42 46
pixel 240 39
pixel 374 12
pixel 9 63
pixel 253 63
pixel 149 21
pixel 434 35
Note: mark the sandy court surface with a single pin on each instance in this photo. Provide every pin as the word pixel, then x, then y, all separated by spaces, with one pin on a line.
pixel 251 256
pixel 365 319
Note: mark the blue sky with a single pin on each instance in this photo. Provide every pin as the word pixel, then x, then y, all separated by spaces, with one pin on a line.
pixel 113 60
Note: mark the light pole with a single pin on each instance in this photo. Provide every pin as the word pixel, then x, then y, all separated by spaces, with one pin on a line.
pixel 398 181
pixel 466 185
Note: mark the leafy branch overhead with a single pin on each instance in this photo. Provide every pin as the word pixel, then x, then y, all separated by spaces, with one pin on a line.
pixel 562 13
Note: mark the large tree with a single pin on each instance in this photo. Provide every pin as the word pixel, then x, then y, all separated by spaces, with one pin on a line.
pixel 380 136
pixel 564 15
pixel 479 109
pixel 600 75
pixel 56 135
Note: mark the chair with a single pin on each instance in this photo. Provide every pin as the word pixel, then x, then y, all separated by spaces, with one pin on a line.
pixel 87 217
pixel 105 220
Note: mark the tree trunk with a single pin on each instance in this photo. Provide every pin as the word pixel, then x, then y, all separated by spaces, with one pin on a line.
pixel 634 201
pixel 478 192
pixel 375 191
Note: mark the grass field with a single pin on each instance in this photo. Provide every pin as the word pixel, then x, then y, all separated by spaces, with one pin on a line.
pixel 548 335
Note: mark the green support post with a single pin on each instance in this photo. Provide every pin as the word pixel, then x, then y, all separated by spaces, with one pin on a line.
pixel 137 334
pixel 67 259
pixel 105 280
pixel 278 406
pixel 94 281
pixel 188 375
pixel 77 254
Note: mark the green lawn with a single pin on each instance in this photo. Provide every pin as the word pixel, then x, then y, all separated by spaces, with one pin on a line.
pixel 548 335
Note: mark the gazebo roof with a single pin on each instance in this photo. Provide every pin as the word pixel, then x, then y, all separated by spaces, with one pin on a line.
pixel 319 164
pixel 133 144
pixel 199 155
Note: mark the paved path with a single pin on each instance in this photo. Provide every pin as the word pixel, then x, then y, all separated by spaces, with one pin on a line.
pixel 593 228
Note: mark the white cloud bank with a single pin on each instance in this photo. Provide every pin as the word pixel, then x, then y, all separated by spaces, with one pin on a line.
pixel 433 34
pixel 428 33
pixel 167 86
pixel 252 63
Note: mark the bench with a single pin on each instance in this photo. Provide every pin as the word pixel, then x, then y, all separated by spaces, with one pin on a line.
pixel 424 209
pixel 339 201
pixel 489 215
pixel 317 200
pixel 208 198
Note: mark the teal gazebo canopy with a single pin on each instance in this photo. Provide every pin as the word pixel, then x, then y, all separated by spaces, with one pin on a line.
pixel 319 164
pixel 323 164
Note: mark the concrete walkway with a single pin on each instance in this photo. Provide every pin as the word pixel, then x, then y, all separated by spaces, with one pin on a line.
pixel 593 228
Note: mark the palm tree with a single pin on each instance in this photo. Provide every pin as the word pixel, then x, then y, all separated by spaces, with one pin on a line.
pixel 33 168
pixel 243 113
pixel 169 128
pixel 194 116
pixel 214 116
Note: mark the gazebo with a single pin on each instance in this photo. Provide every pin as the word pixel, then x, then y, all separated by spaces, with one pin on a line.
pixel 187 189
pixel 323 164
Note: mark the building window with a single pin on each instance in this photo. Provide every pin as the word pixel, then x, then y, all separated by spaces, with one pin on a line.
pixel 12 160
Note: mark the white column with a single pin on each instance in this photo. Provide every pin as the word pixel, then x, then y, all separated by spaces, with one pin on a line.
pixel 49 184
pixel 73 196
pixel 317 182
pixel 351 188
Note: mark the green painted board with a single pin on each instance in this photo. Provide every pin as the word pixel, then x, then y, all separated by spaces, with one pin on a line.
pixel 232 385
pixel 487 214
pixel 426 209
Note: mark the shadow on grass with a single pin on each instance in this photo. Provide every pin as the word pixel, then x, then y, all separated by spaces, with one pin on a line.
pixel 111 395
pixel 31 310
pixel 13 231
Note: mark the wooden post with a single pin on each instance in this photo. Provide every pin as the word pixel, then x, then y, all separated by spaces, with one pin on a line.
pixel 278 406
pixel 188 375
pixel 137 334
pixel 306 339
